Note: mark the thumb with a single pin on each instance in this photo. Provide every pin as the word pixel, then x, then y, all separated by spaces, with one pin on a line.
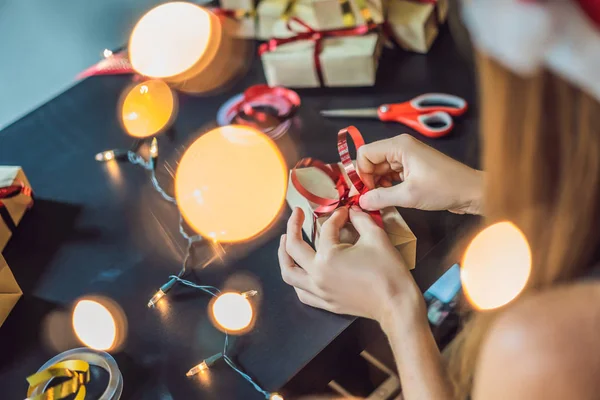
pixel 382 197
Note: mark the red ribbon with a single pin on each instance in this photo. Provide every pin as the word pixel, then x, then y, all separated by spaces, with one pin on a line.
pixel 315 36
pixel 11 191
pixel 8 192
pixel 326 205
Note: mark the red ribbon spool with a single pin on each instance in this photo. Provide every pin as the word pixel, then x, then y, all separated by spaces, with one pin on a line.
pixel 326 205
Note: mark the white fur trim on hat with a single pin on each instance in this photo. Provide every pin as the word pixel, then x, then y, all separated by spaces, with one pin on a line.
pixel 526 36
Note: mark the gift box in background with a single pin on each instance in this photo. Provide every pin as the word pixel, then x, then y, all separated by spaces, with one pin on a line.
pixel 414 24
pixel 319 184
pixel 319 14
pixel 245 5
pixel 238 23
pixel 347 57
pixel 15 199
pixel 10 292
pixel 276 13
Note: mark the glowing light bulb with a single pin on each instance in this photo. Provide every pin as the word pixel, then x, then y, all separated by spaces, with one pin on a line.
pixel 275 396
pixel 232 312
pixel 230 184
pixel 148 108
pixel 154 148
pixel 496 266
pixel 107 53
pixel 170 39
pixel 197 369
pixel 94 325
pixel 156 298
pixel 204 365
pixel 105 155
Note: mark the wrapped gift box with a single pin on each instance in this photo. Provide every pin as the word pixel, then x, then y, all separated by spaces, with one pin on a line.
pixel 344 61
pixel 10 292
pixel 12 208
pixel 319 184
pixel 238 24
pixel 246 5
pixel 414 24
pixel 319 14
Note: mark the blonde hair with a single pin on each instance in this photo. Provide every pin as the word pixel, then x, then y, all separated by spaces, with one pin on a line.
pixel 541 154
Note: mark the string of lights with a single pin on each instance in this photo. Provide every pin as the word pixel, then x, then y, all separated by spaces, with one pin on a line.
pixel 136 159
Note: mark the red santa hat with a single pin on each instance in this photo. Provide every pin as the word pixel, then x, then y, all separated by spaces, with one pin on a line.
pixel 525 35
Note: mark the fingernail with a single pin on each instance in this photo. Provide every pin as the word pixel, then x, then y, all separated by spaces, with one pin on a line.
pixel 356 208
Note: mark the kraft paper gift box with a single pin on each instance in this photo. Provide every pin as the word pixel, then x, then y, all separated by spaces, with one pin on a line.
pixel 246 5
pixel 414 24
pixel 319 184
pixel 10 292
pixel 345 61
pixel 241 25
pixel 12 209
pixel 319 14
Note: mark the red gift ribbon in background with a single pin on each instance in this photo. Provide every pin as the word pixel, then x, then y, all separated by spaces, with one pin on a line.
pixel 327 205
pixel 9 192
pixel 315 36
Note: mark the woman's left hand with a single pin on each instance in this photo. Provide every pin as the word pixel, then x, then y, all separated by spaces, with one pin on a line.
pixel 366 279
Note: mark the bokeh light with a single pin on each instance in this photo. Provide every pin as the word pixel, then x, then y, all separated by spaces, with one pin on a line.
pixel 232 312
pixel 230 184
pixel 148 108
pixel 170 39
pixel 99 323
pixel 496 266
pixel 94 325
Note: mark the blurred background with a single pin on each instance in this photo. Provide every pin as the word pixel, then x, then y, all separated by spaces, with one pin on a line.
pixel 45 44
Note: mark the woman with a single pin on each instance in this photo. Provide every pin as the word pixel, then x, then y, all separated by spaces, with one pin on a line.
pixel 539 81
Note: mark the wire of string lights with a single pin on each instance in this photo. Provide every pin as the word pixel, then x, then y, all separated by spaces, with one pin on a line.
pixel 151 164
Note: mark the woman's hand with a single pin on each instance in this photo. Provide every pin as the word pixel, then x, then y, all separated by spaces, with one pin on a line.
pixel 429 179
pixel 367 279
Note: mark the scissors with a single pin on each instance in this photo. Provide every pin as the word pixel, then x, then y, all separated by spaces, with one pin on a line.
pixel 429 114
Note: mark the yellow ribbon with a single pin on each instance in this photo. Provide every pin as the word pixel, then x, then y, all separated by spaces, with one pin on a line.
pixel 78 371
pixel 289 10
pixel 348 16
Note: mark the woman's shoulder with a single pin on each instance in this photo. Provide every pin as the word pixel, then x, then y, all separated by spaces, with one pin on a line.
pixel 546 345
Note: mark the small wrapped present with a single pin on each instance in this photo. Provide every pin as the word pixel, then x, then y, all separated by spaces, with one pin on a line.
pixel 246 5
pixel 319 14
pixel 15 199
pixel 311 58
pixel 319 189
pixel 238 23
pixel 10 292
pixel 414 24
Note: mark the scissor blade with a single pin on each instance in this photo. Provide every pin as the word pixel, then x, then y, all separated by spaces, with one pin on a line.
pixel 354 113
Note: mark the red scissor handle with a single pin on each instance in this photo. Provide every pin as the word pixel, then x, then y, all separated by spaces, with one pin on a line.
pixel 429 114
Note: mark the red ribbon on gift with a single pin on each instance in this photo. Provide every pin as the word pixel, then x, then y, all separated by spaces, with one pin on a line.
pixel 11 191
pixel 315 36
pixel 326 205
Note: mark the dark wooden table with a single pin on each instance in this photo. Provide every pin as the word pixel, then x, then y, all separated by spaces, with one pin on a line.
pixel 101 229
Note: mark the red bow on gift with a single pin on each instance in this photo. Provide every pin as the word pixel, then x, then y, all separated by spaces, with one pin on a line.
pixel 314 36
pixel 326 205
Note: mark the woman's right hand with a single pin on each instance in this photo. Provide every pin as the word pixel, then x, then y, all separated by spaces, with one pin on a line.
pixel 429 180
